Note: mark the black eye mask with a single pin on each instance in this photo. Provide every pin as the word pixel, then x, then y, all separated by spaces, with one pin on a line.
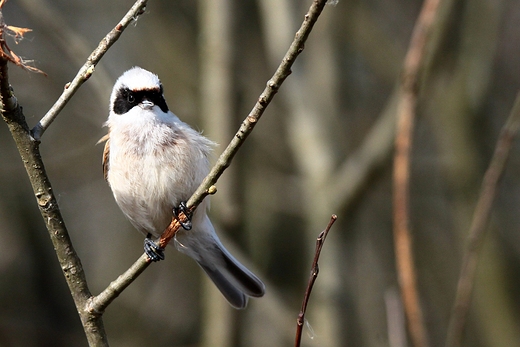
pixel 127 99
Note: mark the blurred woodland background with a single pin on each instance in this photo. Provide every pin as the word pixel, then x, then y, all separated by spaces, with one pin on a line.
pixel 323 146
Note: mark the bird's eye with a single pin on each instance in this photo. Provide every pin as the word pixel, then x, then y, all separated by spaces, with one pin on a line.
pixel 131 98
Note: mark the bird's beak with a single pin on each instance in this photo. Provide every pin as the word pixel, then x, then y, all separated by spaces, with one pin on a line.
pixel 146 104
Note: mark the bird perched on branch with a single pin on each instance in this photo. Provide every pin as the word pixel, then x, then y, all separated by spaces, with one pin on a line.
pixel 153 163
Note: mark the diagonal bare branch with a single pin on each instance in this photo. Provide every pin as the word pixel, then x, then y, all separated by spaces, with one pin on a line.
pixel 224 161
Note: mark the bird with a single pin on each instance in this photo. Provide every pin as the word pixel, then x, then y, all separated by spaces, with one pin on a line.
pixel 153 162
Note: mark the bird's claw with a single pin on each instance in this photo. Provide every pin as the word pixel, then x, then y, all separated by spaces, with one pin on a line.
pixel 184 209
pixel 152 250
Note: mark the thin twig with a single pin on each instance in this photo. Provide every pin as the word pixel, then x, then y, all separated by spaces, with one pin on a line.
pixel 223 162
pixel 87 69
pixel 406 113
pixel 314 275
pixel 477 231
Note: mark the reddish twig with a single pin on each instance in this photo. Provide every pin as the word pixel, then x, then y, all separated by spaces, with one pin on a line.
pixel 405 122
pixel 477 230
pixel 175 224
pixel 314 275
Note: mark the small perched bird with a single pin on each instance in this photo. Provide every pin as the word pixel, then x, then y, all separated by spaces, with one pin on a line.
pixel 153 163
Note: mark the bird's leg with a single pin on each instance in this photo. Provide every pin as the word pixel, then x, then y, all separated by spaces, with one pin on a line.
pixel 184 209
pixel 154 252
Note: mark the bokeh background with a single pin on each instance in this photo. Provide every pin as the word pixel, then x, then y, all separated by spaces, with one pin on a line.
pixel 324 146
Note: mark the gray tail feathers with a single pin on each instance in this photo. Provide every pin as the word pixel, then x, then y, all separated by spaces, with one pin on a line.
pixel 233 280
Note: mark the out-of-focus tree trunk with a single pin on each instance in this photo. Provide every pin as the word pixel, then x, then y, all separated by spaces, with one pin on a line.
pixel 217 96
pixel 216 85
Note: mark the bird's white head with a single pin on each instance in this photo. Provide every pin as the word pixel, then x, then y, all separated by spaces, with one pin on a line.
pixel 137 90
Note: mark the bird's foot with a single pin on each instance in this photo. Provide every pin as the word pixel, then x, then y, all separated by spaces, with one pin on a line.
pixel 184 209
pixel 154 252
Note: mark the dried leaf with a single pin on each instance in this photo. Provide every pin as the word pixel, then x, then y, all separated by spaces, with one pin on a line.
pixel 7 53
pixel 16 32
